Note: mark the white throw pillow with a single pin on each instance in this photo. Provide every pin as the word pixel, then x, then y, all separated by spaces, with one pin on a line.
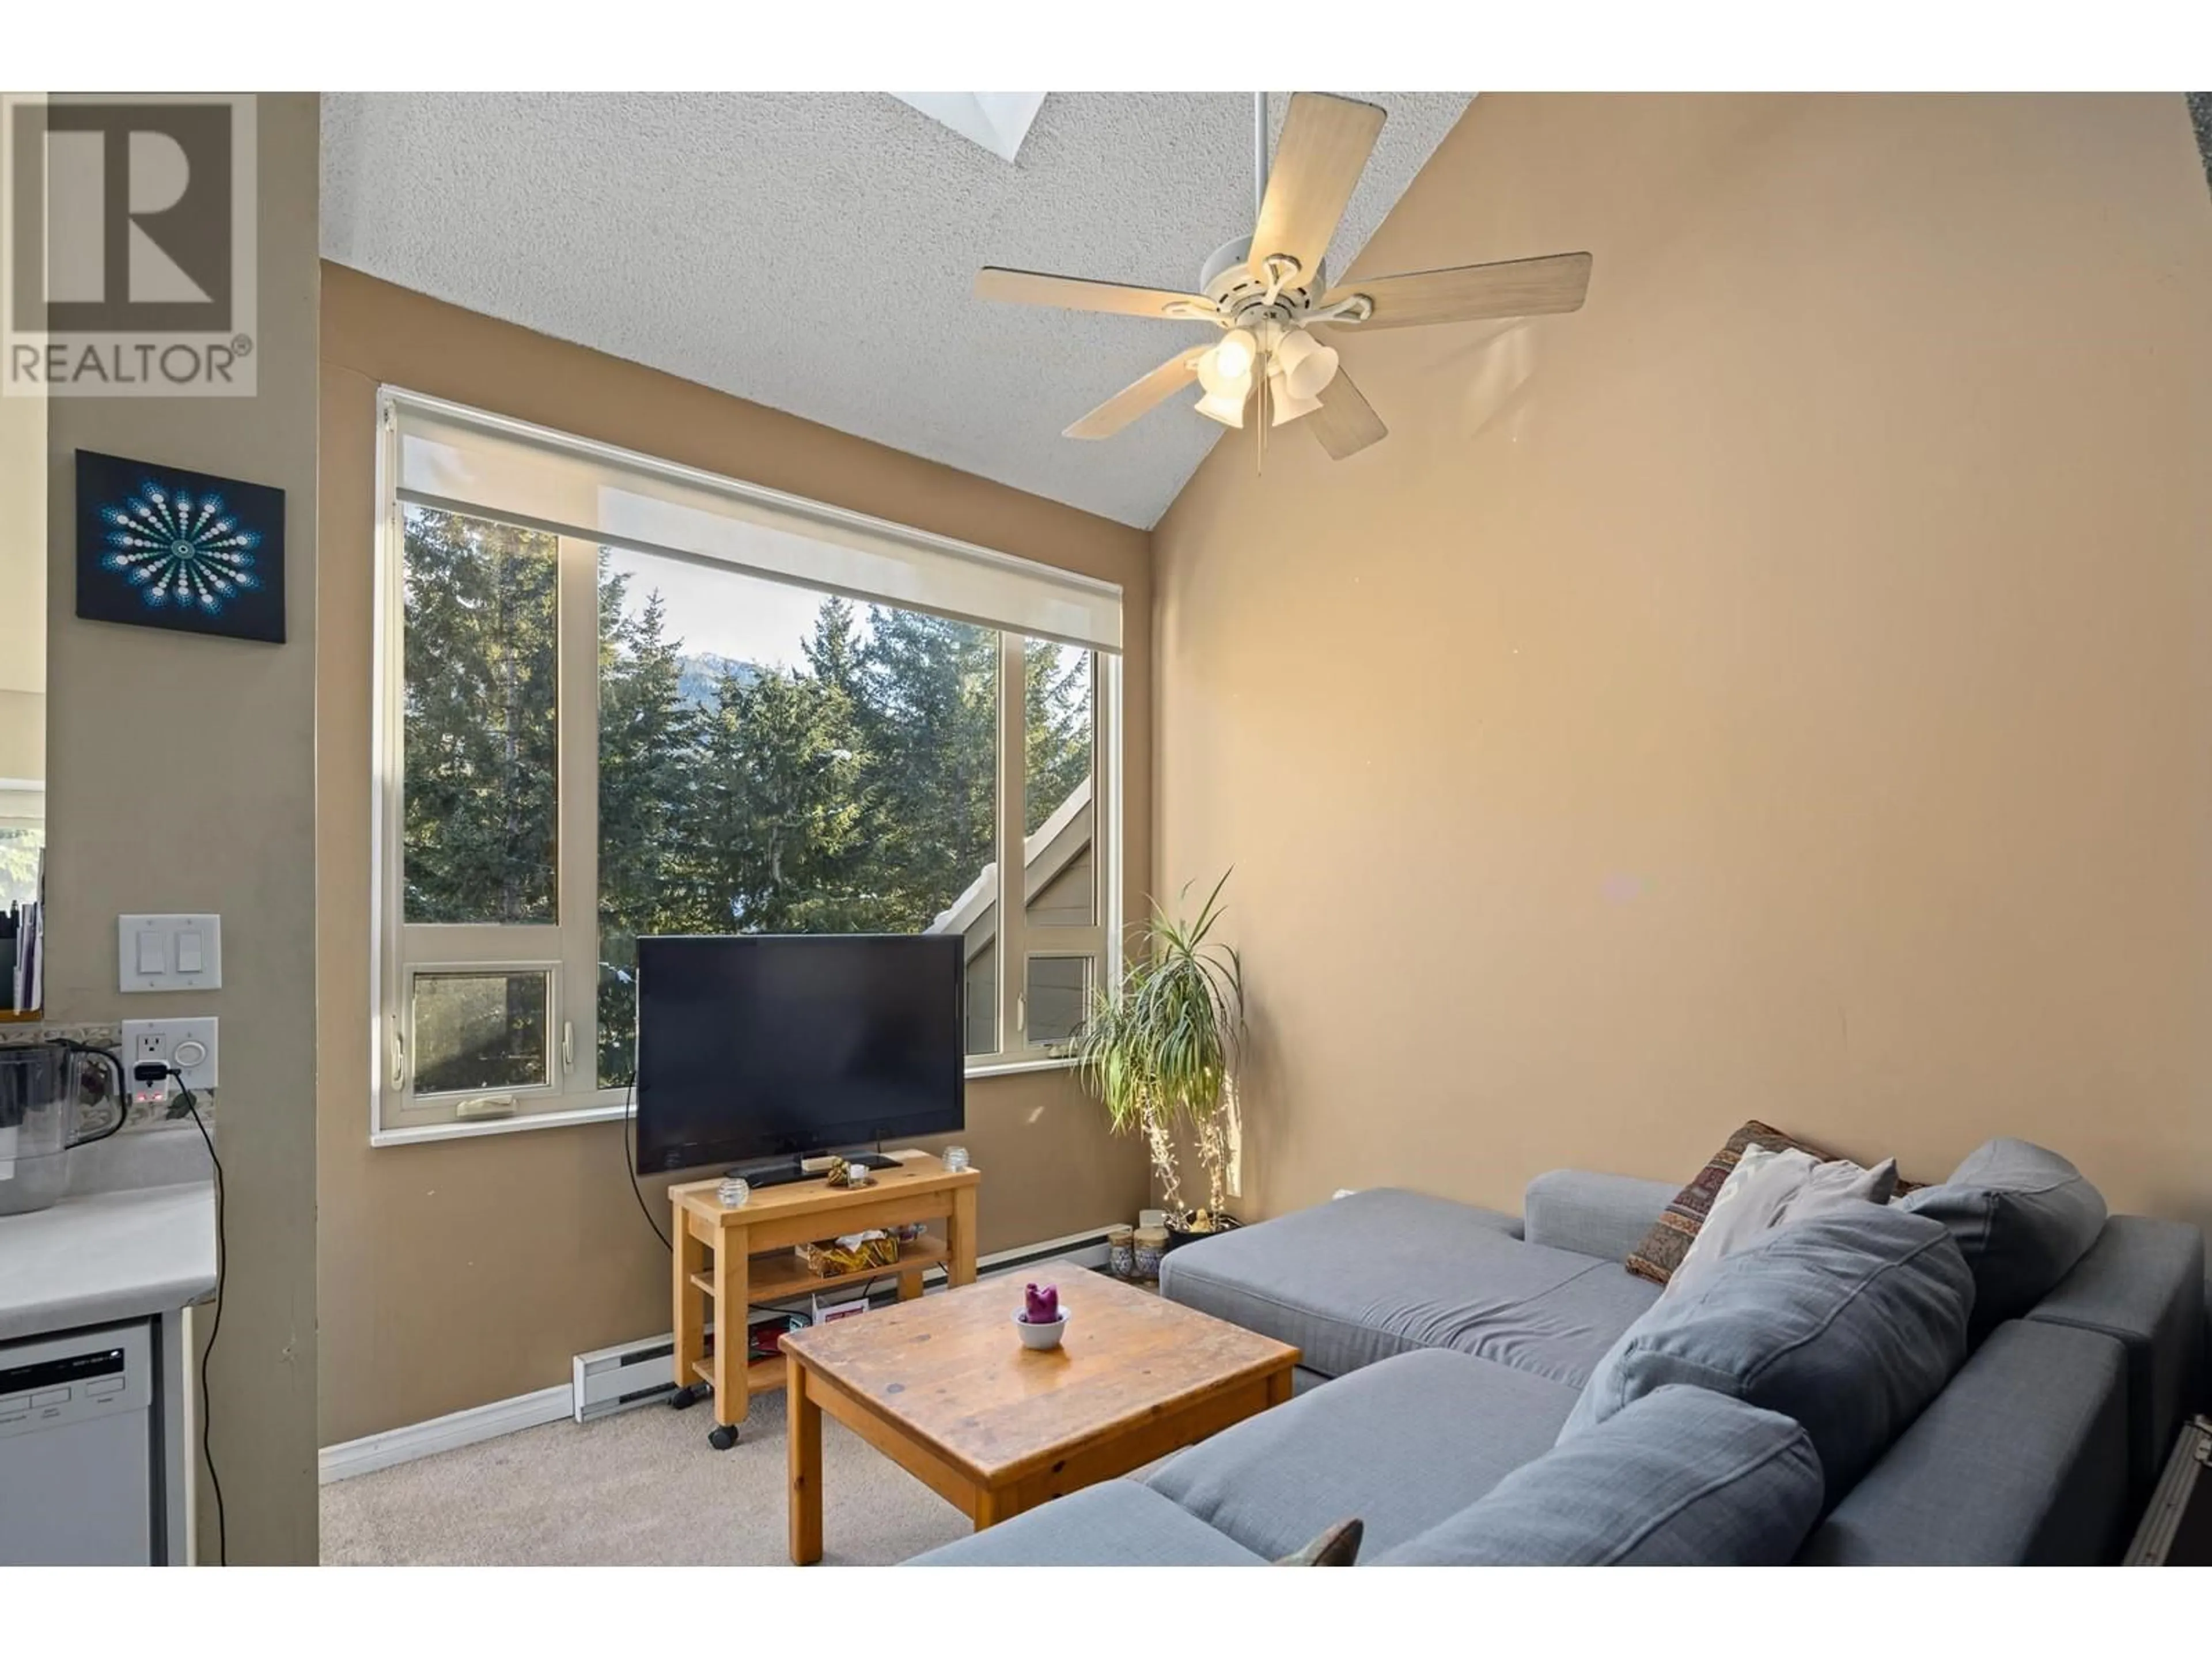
pixel 1769 1189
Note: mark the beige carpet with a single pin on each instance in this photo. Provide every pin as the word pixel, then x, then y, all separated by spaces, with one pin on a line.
pixel 641 1488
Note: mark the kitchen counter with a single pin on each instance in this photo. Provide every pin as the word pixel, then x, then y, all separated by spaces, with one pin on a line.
pixel 130 1250
pixel 98 1257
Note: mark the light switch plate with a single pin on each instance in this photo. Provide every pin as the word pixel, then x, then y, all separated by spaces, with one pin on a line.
pixel 169 952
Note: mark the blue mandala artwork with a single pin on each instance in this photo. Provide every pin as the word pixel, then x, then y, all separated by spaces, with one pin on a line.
pixel 180 548
pixel 164 548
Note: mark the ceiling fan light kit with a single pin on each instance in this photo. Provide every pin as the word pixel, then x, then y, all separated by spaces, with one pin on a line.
pixel 1294 367
pixel 1226 407
pixel 1232 359
pixel 1285 405
pixel 1224 371
pixel 1269 291
pixel 1303 364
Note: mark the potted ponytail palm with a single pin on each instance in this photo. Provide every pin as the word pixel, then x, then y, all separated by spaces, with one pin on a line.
pixel 1159 1049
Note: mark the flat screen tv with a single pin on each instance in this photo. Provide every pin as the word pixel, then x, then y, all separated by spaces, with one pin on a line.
pixel 773 1046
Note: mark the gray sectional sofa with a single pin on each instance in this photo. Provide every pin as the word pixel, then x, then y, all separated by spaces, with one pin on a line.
pixel 1826 1398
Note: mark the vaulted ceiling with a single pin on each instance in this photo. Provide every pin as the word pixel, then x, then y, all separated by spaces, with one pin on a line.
pixel 814 250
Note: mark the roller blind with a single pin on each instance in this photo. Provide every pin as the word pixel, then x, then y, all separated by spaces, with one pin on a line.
pixel 463 460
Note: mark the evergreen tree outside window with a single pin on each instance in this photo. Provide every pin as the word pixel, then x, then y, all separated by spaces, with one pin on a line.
pixel 850 789
pixel 1060 751
pixel 21 842
pixel 482 747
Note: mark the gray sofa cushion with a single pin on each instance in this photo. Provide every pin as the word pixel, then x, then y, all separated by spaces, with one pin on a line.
pixel 1116 1523
pixel 1682 1477
pixel 1385 1272
pixel 1400 1444
pixel 2142 1284
pixel 1850 1324
pixel 2022 1215
pixel 1601 1215
pixel 2021 1462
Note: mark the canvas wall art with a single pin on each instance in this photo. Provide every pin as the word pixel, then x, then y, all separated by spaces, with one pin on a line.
pixel 166 547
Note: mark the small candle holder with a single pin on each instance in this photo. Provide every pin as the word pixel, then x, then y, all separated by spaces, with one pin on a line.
pixel 1122 1252
pixel 1151 1245
pixel 956 1158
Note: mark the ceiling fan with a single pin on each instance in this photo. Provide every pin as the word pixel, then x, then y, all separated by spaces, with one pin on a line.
pixel 1267 293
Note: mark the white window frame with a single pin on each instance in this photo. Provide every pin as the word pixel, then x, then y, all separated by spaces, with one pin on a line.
pixel 1018 937
pixel 567 949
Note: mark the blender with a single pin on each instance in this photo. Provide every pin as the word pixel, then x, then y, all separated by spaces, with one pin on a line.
pixel 46 1094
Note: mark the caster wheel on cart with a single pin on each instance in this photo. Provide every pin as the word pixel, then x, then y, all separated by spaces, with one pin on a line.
pixel 684 1398
pixel 722 1437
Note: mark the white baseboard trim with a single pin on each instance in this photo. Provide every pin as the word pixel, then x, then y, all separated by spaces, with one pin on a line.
pixel 526 1411
pixel 454 1430
pixel 1086 1250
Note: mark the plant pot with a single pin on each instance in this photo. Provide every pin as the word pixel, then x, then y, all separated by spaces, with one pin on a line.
pixel 1041 1336
pixel 1179 1235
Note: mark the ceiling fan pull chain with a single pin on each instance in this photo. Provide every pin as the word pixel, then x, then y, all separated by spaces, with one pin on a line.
pixel 1260 414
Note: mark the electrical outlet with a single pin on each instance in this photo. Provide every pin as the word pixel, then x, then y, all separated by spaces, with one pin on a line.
pixel 189 1045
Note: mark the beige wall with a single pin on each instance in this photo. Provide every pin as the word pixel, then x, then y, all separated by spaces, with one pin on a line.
pixel 465 1272
pixel 24 586
pixel 181 777
pixel 22 725
pixel 1783 687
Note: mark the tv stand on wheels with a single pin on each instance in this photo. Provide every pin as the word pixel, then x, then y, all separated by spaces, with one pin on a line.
pixel 740 1259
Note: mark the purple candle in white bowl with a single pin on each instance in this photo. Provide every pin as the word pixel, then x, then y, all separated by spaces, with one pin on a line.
pixel 1040 1319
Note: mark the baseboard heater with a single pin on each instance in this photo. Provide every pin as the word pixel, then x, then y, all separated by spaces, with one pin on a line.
pixel 610 1380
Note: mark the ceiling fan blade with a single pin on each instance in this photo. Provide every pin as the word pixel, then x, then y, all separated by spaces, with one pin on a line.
pixel 1466 294
pixel 1135 399
pixel 1036 288
pixel 1324 149
pixel 1345 422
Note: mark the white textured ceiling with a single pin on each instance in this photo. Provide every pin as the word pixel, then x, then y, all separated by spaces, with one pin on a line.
pixel 814 250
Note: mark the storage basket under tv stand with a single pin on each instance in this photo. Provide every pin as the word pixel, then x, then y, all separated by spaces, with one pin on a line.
pixel 739 1259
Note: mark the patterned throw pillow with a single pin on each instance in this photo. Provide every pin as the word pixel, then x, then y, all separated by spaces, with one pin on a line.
pixel 1771 1190
pixel 1668 1241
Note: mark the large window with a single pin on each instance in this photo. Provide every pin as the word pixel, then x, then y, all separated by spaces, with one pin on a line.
pixel 589 739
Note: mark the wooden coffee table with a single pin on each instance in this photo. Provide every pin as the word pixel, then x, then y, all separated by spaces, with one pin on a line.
pixel 943 1387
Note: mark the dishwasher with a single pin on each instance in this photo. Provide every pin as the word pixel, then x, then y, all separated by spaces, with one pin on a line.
pixel 80 1457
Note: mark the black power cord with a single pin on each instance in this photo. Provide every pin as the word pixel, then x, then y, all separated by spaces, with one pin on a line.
pixel 629 1165
pixel 153 1071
